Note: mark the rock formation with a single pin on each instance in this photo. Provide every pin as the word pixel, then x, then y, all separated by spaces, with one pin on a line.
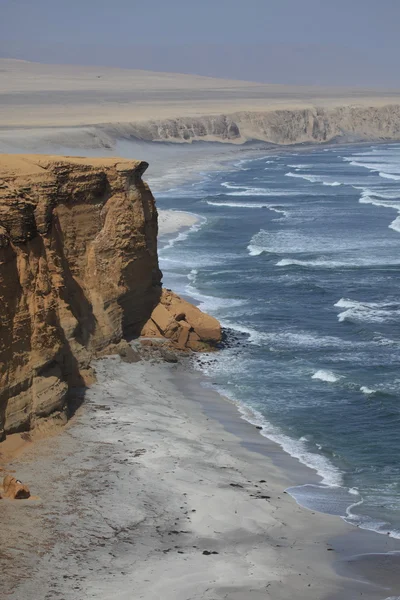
pixel 78 273
pixel 14 489
pixel 183 324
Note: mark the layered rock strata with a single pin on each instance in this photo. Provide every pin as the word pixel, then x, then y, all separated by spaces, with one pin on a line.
pixel 78 273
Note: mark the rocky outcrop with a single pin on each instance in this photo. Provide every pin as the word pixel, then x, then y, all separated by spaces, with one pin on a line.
pixel 78 271
pixel 78 275
pixel 14 489
pixel 183 324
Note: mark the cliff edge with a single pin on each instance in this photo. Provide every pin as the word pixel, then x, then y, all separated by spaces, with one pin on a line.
pixel 78 273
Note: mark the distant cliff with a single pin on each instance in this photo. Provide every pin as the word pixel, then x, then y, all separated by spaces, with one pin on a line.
pixel 78 272
pixel 278 126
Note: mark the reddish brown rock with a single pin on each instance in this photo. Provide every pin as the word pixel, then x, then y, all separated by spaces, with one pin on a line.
pixel 14 489
pixel 78 271
pixel 184 324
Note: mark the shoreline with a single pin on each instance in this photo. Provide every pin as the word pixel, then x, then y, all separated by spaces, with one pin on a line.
pixel 365 555
pixel 341 535
pixel 177 497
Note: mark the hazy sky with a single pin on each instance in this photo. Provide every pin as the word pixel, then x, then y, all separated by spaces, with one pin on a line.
pixel 284 41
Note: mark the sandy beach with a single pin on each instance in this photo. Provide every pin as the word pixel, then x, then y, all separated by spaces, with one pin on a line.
pixel 171 221
pixel 160 490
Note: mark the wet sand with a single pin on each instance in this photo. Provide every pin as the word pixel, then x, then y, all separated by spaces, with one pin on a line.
pixel 158 489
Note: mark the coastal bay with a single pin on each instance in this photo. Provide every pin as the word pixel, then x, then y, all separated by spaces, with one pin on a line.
pixel 157 472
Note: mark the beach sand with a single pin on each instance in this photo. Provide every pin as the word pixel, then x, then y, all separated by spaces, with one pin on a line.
pixel 159 490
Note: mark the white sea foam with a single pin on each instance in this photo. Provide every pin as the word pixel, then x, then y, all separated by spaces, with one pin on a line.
pixel 192 275
pixel 395 225
pixel 300 166
pixel 264 192
pixel 366 390
pixel 296 242
pixel 326 264
pixel 313 178
pixel 389 176
pixel 379 192
pixel 254 250
pixel 330 475
pixel 247 205
pixel 385 200
pixel 366 522
pixel 327 376
pixel 257 338
pixel 211 304
pixel 306 339
pixel 245 190
pixel 376 312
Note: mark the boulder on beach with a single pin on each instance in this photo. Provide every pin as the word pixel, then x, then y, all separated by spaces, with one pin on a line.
pixel 14 489
pixel 186 326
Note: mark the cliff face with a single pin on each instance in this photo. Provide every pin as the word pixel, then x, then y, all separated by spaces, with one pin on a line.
pixel 78 271
pixel 290 126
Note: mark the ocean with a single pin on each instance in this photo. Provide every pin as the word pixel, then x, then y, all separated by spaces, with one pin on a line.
pixel 297 253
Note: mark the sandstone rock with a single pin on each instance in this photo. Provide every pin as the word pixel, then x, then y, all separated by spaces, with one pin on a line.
pixel 78 271
pixel 14 489
pixel 150 329
pixel 207 327
pixel 183 324
pixel 162 318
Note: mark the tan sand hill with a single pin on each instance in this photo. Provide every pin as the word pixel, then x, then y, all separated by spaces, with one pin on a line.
pixel 114 103
pixel 78 272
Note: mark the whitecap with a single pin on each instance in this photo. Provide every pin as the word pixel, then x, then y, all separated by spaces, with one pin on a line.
pixel 327 264
pixel 366 390
pixel 192 275
pixel 264 192
pixel 327 376
pixel 377 312
pixel 211 304
pixel 247 205
pixel 395 225
pixel 313 178
pixel 389 176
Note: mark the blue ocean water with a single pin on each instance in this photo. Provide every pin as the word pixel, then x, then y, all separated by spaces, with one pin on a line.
pixel 299 254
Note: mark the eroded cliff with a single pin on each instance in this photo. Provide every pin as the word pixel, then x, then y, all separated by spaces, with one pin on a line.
pixel 277 126
pixel 78 272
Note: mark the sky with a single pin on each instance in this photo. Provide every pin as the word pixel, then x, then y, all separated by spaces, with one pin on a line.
pixel 317 42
